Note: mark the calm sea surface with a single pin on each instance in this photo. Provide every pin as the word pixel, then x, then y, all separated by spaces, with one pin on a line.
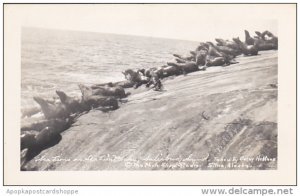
pixel 55 59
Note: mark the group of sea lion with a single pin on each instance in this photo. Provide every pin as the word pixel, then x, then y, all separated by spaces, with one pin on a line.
pixel 207 54
pixel 40 133
pixel 58 115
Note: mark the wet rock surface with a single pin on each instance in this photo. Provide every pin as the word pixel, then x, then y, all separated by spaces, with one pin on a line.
pixel 223 118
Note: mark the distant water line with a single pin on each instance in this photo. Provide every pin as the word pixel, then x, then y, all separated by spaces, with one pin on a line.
pixel 56 59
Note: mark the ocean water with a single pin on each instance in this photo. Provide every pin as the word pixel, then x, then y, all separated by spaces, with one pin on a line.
pixel 57 59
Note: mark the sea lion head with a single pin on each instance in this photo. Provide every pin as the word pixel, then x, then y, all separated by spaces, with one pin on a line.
pixel 210 43
pixel 246 32
pixel 220 41
pixel 27 140
pixel 236 39
pixel 258 33
pixel 63 97
pixel 40 101
pixel 85 91
pixel 110 84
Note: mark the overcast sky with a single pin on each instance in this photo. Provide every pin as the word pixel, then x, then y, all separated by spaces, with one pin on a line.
pixel 187 22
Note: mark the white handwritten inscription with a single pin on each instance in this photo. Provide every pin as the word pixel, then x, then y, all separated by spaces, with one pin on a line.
pixel 159 162
pixel 242 162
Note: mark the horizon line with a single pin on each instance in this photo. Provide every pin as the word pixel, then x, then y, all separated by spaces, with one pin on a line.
pixel 87 31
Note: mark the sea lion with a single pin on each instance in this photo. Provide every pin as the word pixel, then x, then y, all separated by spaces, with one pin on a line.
pixel 180 60
pixel 218 56
pixel 47 138
pixel 215 61
pixel 220 42
pixel 72 104
pixel 193 53
pixel 94 101
pixel 52 111
pixel 228 51
pixel 148 71
pixel 201 56
pixel 213 51
pixel 131 75
pixel 58 124
pixel 134 77
pixel 228 43
pixel 169 70
pixel 269 37
pixel 264 41
pixel 246 49
pixel 264 45
pixel 159 71
pixel 142 71
pixel 248 39
pixel 201 46
pixel 188 58
pixel 109 90
pixel 185 67
pixel 155 81
pixel 28 139
pixel 258 34
pixel 268 41
pixel 28 112
pixel 86 92
pixel 189 67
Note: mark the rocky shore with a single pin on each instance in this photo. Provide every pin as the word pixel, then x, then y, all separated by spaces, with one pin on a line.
pixel 222 118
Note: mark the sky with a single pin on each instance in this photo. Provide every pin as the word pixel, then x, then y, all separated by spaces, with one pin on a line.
pixel 196 22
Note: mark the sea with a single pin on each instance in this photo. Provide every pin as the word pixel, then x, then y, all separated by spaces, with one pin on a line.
pixel 61 59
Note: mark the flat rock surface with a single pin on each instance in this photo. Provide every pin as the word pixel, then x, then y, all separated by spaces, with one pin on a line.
pixel 221 118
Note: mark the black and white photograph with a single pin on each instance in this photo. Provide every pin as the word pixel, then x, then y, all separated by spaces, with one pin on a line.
pixel 149 87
